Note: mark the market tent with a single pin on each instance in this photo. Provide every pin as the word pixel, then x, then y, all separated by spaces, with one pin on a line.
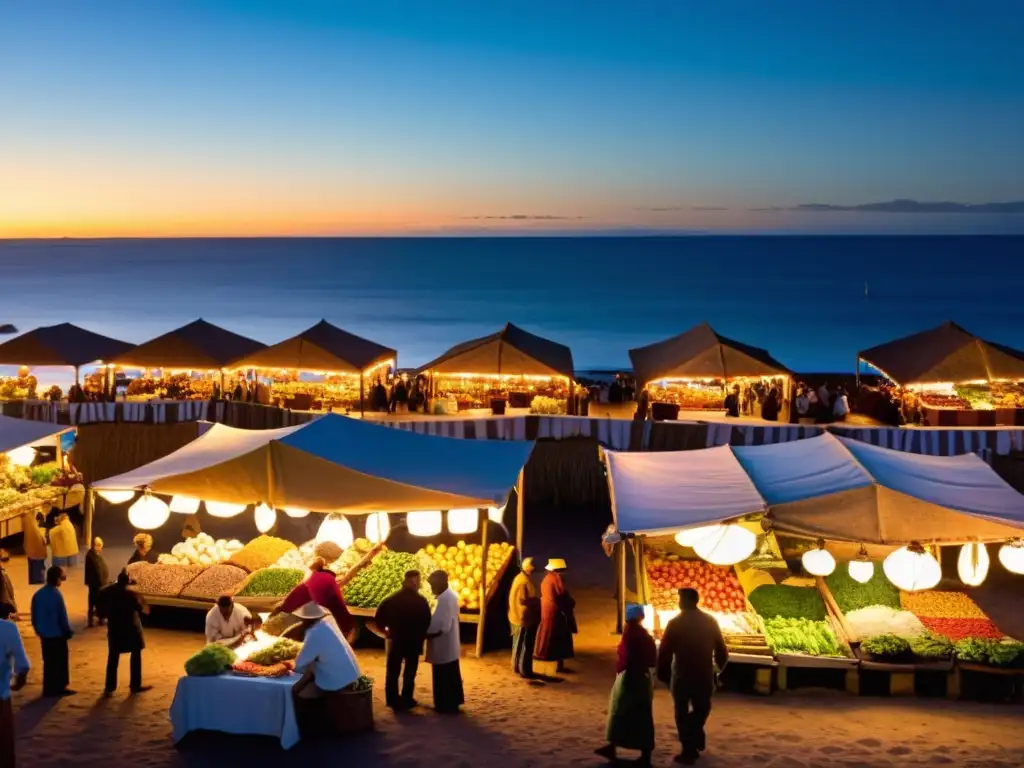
pixel 15 433
pixel 324 347
pixel 63 345
pixel 702 353
pixel 511 351
pixel 947 353
pixel 197 346
pixel 333 463
pixel 663 492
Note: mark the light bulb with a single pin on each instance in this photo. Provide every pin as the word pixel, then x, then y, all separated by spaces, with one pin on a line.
pixel 690 536
pixel 424 523
pixel 22 457
pixel 265 517
pixel 117 497
pixel 335 528
pixel 727 546
pixel 972 565
pixel 861 571
pixel 295 512
pixel 496 514
pixel 184 505
pixel 1011 555
pixel 148 513
pixel 818 561
pixel 462 521
pixel 378 527
pixel 224 508
pixel 912 568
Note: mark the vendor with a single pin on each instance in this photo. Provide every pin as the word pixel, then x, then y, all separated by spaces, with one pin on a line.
pixel 321 587
pixel 326 661
pixel 143 549
pixel 227 623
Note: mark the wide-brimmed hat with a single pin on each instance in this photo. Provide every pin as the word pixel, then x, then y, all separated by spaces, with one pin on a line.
pixel 309 612
pixel 555 564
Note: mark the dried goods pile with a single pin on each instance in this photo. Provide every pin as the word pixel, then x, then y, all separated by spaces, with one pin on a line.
pixel 202 549
pixel 953 615
pixel 464 565
pixel 281 650
pixel 384 575
pixel 271 582
pixel 261 552
pixel 279 624
pixel 804 636
pixel 166 580
pixel 212 660
pixel 213 582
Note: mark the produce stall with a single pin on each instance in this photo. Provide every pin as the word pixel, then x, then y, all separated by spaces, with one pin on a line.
pixel 63 345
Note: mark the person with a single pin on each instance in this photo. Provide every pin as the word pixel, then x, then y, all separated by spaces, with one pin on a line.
pixel 97 575
pixel 631 708
pixel 143 549
pixel 404 618
pixel 824 398
pixel 523 617
pixel 14 667
pixel 443 646
pixel 803 404
pixel 321 587
pixel 557 618
pixel 399 397
pixel 379 397
pixel 690 648
pixel 770 406
pixel 732 402
pixel 121 607
pixel 190 527
pixel 326 661
pixel 6 585
pixel 50 622
pixel 35 550
pixel 841 406
pixel 227 622
pixel 64 542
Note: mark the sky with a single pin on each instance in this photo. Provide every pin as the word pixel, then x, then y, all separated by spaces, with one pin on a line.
pixel 215 117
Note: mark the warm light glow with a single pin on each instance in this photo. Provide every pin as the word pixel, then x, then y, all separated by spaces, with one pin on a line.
pixel 726 546
pixel 148 513
pixel 117 497
pixel 378 527
pixel 424 523
pixel 22 457
pixel 912 568
pixel 336 528
pixel 225 508
pixel 818 561
pixel 861 571
pixel 972 565
pixel 1011 555
pixel 266 518
pixel 496 514
pixel 295 512
pixel 184 505
pixel 463 521
pixel 691 536
pixel 648 621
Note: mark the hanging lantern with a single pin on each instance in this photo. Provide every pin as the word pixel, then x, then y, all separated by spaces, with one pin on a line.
pixel 295 512
pixel 912 568
pixel 1011 555
pixel 726 546
pixel 424 523
pixel 862 569
pixel 266 517
pixel 225 508
pixel 184 505
pixel 496 514
pixel 691 536
pixel 335 528
pixel 818 561
pixel 378 527
pixel 972 565
pixel 117 497
pixel 22 457
pixel 148 513
pixel 462 521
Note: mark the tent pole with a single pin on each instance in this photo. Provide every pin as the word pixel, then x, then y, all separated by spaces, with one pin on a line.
pixel 76 374
pixel 857 369
pixel 520 506
pixel 483 520
pixel 90 506
pixel 620 577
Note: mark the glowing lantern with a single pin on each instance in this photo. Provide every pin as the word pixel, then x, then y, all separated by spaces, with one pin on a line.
pixel 972 565
pixel 462 521
pixel 296 512
pixel 818 561
pixel 862 569
pixel 424 523
pixel 337 529
pixel 378 527
pixel 266 518
pixel 726 546
pixel 184 505
pixel 148 513
pixel 1011 555
pixel 225 508
pixel 496 514
pixel 912 568
pixel 117 497
pixel 691 536
pixel 22 457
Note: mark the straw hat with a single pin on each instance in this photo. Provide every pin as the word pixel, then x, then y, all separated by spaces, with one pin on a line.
pixel 309 612
pixel 555 564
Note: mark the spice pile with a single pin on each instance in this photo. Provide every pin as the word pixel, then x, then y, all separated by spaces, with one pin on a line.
pixel 165 580
pixel 261 552
pixel 213 582
pixel 953 615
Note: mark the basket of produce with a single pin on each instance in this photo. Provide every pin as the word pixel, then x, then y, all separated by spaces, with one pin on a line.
pixel 210 661
pixel 261 552
pixel 213 582
pixel 163 580
pixel 351 709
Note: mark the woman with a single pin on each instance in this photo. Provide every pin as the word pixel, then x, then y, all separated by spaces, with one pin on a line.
pixel 631 708
pixel 97 576
pixel 320 587
pixel 64 542
pixel 770 406
pixel 557 620
pixel 143 549
pixel 35 550
pixel 841 406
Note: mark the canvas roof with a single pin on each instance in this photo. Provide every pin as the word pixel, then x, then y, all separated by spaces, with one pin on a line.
pixel 197 346
pixel 510 351
pixel 63 344
pixel 702 353
pixel 332 463
pixel 946 353
pixel 14 433
pixel 324 347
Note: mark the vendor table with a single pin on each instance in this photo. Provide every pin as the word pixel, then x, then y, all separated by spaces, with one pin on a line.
pixel 239 705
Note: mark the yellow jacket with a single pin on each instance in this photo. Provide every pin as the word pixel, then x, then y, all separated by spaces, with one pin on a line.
pixel 35 544
pixel 64 539
pixel 522 588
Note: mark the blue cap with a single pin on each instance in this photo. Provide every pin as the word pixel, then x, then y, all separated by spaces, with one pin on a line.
pixel 634 612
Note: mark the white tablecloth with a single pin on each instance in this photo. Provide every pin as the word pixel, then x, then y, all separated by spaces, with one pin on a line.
pixel 241 705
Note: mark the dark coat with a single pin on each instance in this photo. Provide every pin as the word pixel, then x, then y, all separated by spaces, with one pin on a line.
pixel 97 575
pixel 406 616
pixel 121 608
pixel 557 620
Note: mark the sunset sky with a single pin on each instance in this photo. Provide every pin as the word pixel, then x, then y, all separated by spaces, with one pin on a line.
pixel 128 118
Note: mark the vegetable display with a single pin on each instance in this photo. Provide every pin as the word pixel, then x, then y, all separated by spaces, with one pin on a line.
pixel 157 579
pixel 383 576
pixel 271 582
pixel 959 629
pixel 938 604
pixel 202 549
pixel 788 602
pixel 351 556
pixel 851 595
pixel 213 582
pixel 212 660
pixel 996 653
pixel 362 683
pixel 930 646
pixel 719 587
pixel 464 565
pixel 261 552
pixel 279 624
pixel 882 620
pixel 805 636
pixel 886 646
pixel 282 650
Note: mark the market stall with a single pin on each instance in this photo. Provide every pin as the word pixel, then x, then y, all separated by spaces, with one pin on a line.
pixel 342 363
pixel 508 369
pixel 696 370
pixel 948 377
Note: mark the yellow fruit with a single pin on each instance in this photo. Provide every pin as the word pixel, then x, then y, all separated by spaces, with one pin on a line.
pixel 442 548
pixel 430 549
pixel 460 544
pixel 455 585
pixel 470 582
pixel 477 573
pixel 460 559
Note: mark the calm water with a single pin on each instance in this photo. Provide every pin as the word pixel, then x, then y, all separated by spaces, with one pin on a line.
pixel 803 298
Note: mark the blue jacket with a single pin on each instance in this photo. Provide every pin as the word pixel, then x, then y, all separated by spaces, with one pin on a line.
pixel 49 614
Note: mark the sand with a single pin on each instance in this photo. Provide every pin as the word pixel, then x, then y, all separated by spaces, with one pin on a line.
pixel 506 722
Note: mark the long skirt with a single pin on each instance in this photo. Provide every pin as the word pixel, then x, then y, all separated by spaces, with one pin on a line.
pixel 448 693
pixel 631 711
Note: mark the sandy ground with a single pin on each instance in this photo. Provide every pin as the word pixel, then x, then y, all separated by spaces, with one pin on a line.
pixel 506 722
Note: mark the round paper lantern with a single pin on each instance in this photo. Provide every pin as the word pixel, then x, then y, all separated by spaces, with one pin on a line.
pixel 337 529
pixel 1011 555
pixel 972 565
pixel 691 536
pixel 912 568
pixel 726 546
pixel 818 561
pixel 148 513
pixel 496 514
pixel 117 497
pixel 462 521
pixel 295 512
pixel 378 527
pixel 184 505
pixel 424 523
pixel 266 517
pixel 22 457
pixel 861 570
pixel 225 508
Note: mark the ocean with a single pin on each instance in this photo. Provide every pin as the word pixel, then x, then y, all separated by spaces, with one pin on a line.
pixel 813 301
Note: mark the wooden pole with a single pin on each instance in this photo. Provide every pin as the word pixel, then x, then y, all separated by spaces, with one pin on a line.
pixel 520 506
pixel 90 506
pixel 620 618
pixel 482 586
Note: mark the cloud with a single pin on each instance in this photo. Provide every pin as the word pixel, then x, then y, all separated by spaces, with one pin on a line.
pixel 907 206
pixel 525 217
pixel 666 208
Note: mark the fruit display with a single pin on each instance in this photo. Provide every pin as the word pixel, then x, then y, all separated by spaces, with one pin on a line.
pixel 213 582
pixel 788 602
pixel 991 652
pixel 165 580
pixel 718 586
pixel 298 557
pixel 271 582
pixel 547 406
pixel 212 660
pixel 953 615
pixel 961 629
pixel 934 400
pixel 202 549
pixel 281 650
pixel 851 595
pixel 383 576
pixel 261 552
pixel 464 565
pixel 804 636
pixel 690 396
pixel 253 669
pixel 351 556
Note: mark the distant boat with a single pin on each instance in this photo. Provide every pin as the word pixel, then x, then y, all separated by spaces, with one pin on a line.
pixel 865 290
pixel 8 329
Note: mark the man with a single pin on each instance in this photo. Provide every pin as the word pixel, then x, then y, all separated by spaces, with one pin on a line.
pixel 6 585
pixel 443 646
pixel 404 618
pixel 693 641
pixel 50 621
pixel 321 587
pixel 523 617
pixel 97 575
pixel 227 623
pixel 143 549
pixel 121 607
pixel 14 668
pixel 326 661
pixel 732 402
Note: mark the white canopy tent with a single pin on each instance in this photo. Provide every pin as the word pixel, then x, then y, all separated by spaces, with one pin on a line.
pixel 17 433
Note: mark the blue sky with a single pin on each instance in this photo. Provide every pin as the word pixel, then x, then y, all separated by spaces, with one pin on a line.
pixel 221 117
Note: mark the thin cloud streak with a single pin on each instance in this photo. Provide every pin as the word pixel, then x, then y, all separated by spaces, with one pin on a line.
pixel 676 208
pixel 905 206
pixel 525 217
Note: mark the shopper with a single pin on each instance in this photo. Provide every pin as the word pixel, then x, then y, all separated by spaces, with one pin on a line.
pixel 444 646
pixel 143 549
pixel 50 622
pixel 523 617
pixel 121 607
pixel 97 575
pixel 64 542
pixel 14 667
pixel 35 549
pixel 841 407
pixel 404 618
pixel 732 402
pixel 6 585
pixel 557 617
pixel 321 587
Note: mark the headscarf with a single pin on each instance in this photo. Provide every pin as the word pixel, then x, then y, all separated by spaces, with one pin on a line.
pixel 634 612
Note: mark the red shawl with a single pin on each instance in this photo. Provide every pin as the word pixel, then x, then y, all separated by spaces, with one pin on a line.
pixel 636 649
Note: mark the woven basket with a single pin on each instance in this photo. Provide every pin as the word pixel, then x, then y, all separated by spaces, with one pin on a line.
pixel 350 711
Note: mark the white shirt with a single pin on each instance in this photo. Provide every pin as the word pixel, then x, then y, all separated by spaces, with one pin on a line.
pixel 842 406
pixel 444 649
pixel 12 657
pixel 219 629
pixel 326 651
